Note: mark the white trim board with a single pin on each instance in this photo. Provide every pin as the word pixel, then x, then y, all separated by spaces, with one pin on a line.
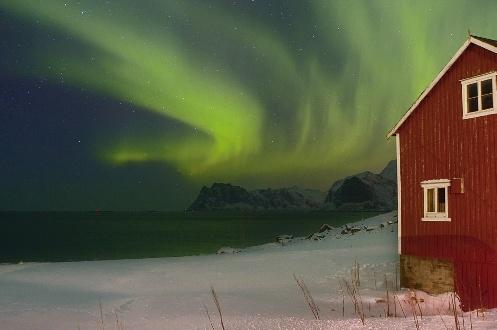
pixel 471 40
pixel 435 182
pixel 478 77
pixel 436 219
pixel 399 196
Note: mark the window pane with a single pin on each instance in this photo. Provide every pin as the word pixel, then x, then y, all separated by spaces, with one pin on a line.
pixel 472 90
pixel 473 104
pixel 487 101
pixel 486 86
pixel 430 200
pixel 441 200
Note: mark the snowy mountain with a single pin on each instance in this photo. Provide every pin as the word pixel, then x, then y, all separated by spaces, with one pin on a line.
pixel 365 191
pixel 224 196
pixel 390 171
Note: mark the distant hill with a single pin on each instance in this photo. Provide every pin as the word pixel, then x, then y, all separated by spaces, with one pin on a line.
pixel 224 196
pixel 360 192
pixel 365 191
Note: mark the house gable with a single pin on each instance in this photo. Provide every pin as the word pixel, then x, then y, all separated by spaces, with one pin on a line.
pixel 487 44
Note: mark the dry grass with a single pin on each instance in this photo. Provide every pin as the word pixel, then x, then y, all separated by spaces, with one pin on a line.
pixel 343 302
pixel 411 302
pixel 453 308
pixel 355 297
pixel 101 322
pixel 355 275
pixel 119 323
pixel 307 296
pixel 400 304
pixel 387 312
pixel 218 306
pixel 208 316
pixel 396 274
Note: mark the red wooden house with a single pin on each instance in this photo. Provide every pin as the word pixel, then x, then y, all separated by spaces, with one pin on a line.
pixel 447 180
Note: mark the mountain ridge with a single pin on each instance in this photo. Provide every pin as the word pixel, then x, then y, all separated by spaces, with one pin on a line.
pixel 365 191
pixel 225 196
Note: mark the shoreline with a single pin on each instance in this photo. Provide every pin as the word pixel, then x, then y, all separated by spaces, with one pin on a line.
pixel 80 237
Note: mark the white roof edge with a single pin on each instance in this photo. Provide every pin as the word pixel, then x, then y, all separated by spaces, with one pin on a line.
pixel 470 40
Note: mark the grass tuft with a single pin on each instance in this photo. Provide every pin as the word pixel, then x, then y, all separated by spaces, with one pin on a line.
pixel 307 296
pixel 218 306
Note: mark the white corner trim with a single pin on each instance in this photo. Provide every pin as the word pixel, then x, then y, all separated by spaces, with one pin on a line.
pixel 436 219
pixel 399 196
pixel 471 40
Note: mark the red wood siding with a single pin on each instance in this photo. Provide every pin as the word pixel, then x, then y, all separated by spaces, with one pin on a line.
pixel 436 143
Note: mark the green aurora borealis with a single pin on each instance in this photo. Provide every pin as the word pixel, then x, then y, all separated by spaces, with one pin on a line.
pixel 258 93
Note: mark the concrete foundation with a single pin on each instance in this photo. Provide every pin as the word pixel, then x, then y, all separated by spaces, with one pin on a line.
pixel 433 276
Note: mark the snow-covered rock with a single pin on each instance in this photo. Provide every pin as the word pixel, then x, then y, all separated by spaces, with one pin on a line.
pixel 316 236
pixel 354 230
pixel 283 237
pixel 227 250
pixel 325 227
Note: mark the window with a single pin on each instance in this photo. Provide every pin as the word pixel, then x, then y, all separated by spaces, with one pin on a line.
pixel 436 193
pixel 479 96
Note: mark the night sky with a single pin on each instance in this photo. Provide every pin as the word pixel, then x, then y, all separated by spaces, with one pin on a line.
pixel 134 105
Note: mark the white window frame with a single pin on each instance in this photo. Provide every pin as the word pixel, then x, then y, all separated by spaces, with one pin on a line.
pixel 478 80
pixel 435 184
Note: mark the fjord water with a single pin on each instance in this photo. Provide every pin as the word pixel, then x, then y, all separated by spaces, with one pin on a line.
pixel 76 236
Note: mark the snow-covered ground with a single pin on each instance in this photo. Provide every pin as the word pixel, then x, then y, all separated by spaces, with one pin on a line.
pixel 256 289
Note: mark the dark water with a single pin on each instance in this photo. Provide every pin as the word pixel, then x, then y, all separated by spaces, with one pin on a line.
pixel 70 236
